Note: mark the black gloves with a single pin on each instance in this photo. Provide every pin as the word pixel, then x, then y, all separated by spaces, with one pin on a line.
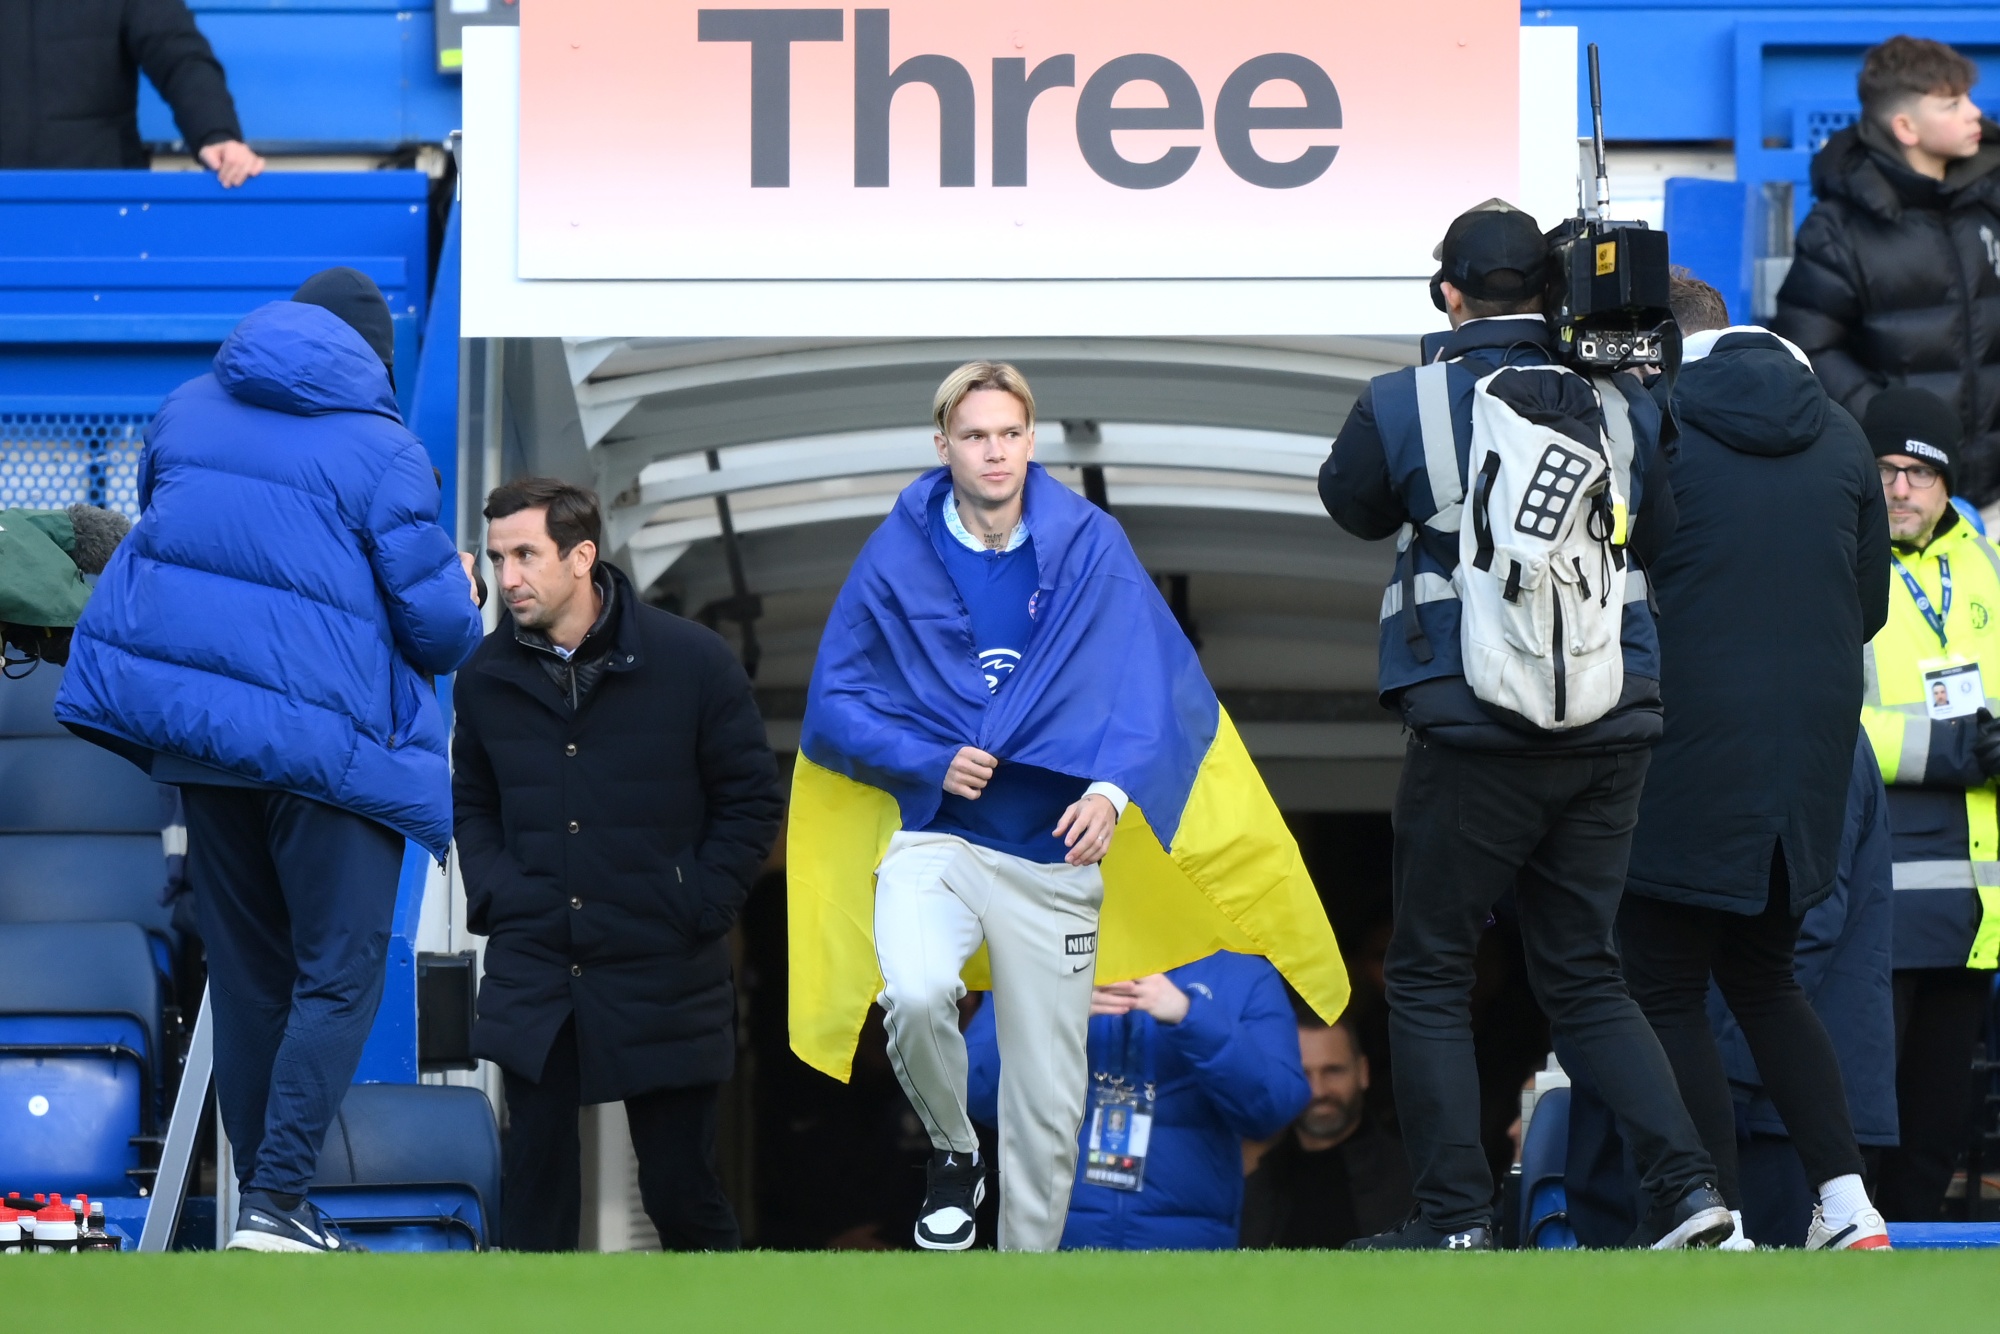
pixel 1986 744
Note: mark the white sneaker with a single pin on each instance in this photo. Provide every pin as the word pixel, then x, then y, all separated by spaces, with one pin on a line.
pixel 1865 1231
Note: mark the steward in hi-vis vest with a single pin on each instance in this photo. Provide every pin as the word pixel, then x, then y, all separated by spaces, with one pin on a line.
pixel 1929 678
pixel 1926 705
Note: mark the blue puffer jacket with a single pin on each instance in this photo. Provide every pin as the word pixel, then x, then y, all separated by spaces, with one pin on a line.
pixel 287 589
pixel 1228 1072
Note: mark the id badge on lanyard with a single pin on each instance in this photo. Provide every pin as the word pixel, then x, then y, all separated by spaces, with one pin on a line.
pixel 1952 684
pixel 1120 1117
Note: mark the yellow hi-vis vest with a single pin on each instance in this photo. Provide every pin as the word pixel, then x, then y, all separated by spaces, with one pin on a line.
pixel 1897 718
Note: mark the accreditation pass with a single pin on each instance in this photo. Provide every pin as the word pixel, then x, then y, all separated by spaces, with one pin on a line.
pixel 1952 688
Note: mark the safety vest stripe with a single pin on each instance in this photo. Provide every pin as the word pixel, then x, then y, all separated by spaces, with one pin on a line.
pixel 1635 585
pixel 1440 446
pixel 1914 757
pixel 1871 684
pixel 1944 874
pixel 1430 588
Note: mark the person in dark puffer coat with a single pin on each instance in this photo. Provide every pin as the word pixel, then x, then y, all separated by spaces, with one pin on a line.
pixel 261 640
pixel 1895 278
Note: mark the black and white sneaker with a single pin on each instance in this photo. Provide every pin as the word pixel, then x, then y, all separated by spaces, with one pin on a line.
pixel 1700 1220
pixel 1417 1235
pixel 263 1224
pixel 954 1188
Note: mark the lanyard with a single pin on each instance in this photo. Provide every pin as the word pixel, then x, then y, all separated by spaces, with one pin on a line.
pixel 1135 1054
pixel 1935 617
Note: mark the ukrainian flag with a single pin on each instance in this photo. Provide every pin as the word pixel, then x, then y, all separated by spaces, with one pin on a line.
pixel 1110 690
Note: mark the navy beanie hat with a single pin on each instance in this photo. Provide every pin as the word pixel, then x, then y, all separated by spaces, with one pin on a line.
pixel 354 297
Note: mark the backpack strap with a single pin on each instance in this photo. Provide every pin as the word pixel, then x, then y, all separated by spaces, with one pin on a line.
pixel 1440 447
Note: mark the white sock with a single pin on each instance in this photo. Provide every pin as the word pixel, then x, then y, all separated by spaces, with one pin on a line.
pixel 1737 1241
pixel 1842 1198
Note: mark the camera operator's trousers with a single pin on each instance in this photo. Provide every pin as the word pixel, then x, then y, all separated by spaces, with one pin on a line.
pixel 936 898
pixel 1555 829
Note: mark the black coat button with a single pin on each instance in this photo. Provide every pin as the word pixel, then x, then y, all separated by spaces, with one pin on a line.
pixel 576 903
pixel 570 749
pixel 574 827
pixel 576 970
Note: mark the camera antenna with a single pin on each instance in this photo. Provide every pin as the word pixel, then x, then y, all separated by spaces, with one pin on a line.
pixel 1597 136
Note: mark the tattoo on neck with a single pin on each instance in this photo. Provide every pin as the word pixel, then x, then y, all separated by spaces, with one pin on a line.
pixel 995 541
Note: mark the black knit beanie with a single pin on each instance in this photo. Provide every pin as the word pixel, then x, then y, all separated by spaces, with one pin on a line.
pixel 1918 424
pixel 354 297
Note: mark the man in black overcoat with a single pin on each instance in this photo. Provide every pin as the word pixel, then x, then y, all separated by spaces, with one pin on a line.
pixel 1776 576
pixel 614 800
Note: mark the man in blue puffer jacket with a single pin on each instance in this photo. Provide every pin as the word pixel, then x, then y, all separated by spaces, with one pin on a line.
pixel 262 640
pixel 1219 1043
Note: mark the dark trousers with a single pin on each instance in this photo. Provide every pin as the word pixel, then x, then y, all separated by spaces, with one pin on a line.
pixel 295 900
pixel 1556 830
pixel 1670 951
pixel 673 1135
pixel 1940 1015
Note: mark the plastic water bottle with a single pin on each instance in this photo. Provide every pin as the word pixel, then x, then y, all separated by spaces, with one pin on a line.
pixel 55 1227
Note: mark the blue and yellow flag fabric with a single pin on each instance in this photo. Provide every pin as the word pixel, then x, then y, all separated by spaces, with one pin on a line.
pixel 1110 691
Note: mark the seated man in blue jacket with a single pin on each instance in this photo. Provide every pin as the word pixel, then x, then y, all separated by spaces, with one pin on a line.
pixel 1184 1066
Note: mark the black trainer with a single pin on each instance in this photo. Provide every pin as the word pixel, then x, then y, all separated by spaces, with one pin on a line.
pixel 1417 1235
pixel 954 1188
pixel 1698 1221
pixel 264 1224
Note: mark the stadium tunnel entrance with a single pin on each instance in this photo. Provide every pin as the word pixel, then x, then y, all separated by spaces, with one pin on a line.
pixel 748 416
pixel 740 478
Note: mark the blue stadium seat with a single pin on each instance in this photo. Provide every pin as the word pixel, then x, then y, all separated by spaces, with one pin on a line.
pixel 413 1167
pixel 79 827
pixel 79 1054
pixel 54 783
pixel 1544 1223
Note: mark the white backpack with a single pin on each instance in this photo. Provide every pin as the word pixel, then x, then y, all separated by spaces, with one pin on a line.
pixel 1541 578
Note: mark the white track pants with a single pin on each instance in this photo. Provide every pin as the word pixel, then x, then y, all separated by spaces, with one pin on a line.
pixel 936 897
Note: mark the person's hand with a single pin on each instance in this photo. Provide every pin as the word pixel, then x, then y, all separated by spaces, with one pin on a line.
pixel 232 161
pixel 1154 995
pixel 1086 829
pixel 1986 744
pixel 478 585
pixel 971 769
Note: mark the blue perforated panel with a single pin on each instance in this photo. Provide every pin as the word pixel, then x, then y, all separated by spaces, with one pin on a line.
pixel 52 459
pixel 1813 124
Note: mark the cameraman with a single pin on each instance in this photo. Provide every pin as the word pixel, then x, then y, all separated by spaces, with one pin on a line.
pixel 1487 807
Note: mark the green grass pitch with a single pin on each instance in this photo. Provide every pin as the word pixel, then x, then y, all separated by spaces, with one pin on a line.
pixel 1306 1293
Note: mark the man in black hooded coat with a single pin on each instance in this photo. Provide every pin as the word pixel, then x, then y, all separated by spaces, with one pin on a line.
pixel 1895 278
pixel 1763 614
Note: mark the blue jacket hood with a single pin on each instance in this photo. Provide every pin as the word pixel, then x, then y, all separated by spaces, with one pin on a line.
pixel 305 360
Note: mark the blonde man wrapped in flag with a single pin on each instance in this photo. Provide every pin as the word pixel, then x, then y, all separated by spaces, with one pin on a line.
pixel 1009 751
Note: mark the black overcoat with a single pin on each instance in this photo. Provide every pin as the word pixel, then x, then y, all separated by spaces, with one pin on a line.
pixel 606 853
pixel 69 81
pixel 1776 575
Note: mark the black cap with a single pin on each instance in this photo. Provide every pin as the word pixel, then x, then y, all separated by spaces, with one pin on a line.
pixel 1493 252
pixel 353 295
pixel 1915 423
